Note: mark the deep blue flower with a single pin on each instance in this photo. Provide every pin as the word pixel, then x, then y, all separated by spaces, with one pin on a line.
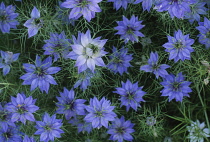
pixel 39 75
pixel 81 125
pixel 196 9
pixel 87 8
pixel 120 61
pixel 179 46
pixel 29 139
pixel 35 23
pixel 5 116
pixel 6 59
pixel 87 51
pixel 100 112
pixel 7 18
pixel 204 36
pixel 176 8
pixel 131 95
pixel 57 46
pixel 10 134
pixel 120 130
pixel 49 128
pixel 70 106
pixel 120 3
pixel 129 29
pixel 175 87
pixel 153 66
pixel 84 79
pixel 146 4
pixel 22 108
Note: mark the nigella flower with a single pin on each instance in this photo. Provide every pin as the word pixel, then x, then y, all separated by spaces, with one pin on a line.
pixel 197 131
pixel 146 4
pixel 100 112
pixel 204 36
pixel 176 8
pixel 120 3
pixel 29 139
pixel 70 106
pixel 35 23
pixel 131 95
pixel 120 130
pixel 120 61
pixel 153 66
pixel 10 134
pixel 22 108
pixel 87 8
pixel 84 79
pixel 5 116
pixel 175 87
pixel 7 18
pixel 81 125
pixel 49 127
pixel 6 59
pixel 129 29
pixel 179 46
pixel 196 9
pixel 57 46
pixel 39 75
pixel 87 51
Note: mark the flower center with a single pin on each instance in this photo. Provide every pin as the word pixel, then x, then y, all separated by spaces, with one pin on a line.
pixel 155 66
pixel 130 95
pixel 83 3
pixel 37 21
pixel 208 34
pixel 70 105
pixel 178 45
pixel 47 127
pixel 176 86
pixel 7 135
pixel 93 48
pixel 129 30
pixel 58 48
pixel 21 109
pixel 99 114
pixel 121 130
pixel 39 71
pixel 117 60
pixel 3 17
pixel 3 115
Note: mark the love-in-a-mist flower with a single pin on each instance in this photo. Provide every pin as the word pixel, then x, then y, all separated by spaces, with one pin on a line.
pixel 7 18
pixel 197 9
pixel 131 95
pixel 10 134
pixel 120 3
pixel 179 46
pixel 39 75
pixel 119 60
pixel 204 36
pixel 153 66
pixel 176 8
pixel 49 128
pixel 22 108
pixel 87 51
pixel 70 106
pixel 87 8
pixel 35 23
pixel 29 139
pixel 146 4
pixel 120 130
pixel 197 132
pixel 6 60
pixel 58 46
pixel 175 87
pixel 129 29
pixel 100 112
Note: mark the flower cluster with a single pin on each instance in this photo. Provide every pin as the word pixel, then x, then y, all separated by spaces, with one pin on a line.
pixel 120 3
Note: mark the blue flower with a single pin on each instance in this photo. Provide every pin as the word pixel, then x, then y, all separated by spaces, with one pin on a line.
pixel 146 4
pixel 70 106
pixel 39 75
pixel 131 95
pixel 204 36
pixel 100 112
pixel 179 46
pixel 7 18
pixel 87 8
pixel 175 87
pixel 120 3
pixel 29 139
pixel 49 128
pixel 153 66
pixel 120 61
pixel 87 52
pixel 129 29
pixel 10 134
pixel 120 130
pixel 35 23
pixel 6 59
pixel 22 108
pixel 57 46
